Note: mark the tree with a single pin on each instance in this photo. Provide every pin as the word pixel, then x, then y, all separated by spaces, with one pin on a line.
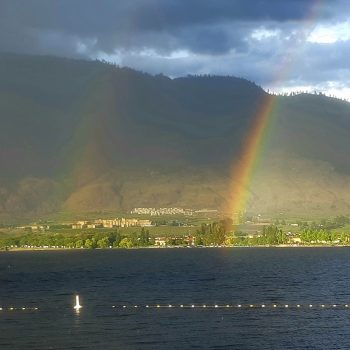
pixel 79 243
pixel 126 243
pixel 103 242
pixel 117 239
pixel 143 239
pixel 91 243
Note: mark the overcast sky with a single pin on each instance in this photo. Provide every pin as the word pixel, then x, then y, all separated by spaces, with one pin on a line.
pixel 279 44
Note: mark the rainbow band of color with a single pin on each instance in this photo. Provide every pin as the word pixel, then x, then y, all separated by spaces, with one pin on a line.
pixel 252 149
pixel 244 168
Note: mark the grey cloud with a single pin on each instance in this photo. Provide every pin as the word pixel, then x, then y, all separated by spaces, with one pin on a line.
pixel 123 23
pixel 215 35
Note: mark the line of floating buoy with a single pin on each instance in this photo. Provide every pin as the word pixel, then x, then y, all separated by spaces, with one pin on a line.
pixel 23 308
pixel 234 306
pixel 78 306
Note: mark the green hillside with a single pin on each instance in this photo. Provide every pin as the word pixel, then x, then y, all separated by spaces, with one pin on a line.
pixel 79 136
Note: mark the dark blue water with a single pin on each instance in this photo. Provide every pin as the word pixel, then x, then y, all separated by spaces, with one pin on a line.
pixel 49 280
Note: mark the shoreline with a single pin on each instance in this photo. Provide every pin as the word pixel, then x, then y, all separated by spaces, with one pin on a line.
pixel 174 247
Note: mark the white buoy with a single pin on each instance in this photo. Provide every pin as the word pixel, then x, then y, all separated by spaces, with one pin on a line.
pixel 77 305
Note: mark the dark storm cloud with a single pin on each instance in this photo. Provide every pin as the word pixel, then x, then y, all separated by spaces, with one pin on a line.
pixel 249 38
pixel 123 24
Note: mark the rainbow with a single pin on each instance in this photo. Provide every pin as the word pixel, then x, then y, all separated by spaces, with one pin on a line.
pixel 245 167
pixel 252 150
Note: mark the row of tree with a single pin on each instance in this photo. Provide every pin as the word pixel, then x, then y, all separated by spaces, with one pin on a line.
pixel 323 236
pixel 213 234
pixel 271 235
pixel 87 240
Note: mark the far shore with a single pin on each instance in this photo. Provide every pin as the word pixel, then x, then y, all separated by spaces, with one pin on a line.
pixel 177 247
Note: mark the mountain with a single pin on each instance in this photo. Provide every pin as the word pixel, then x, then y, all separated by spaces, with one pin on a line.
pixel 85 136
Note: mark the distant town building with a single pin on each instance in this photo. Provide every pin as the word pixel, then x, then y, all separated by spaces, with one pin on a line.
pixel 205 211
pixel 160 241
pixel 112 223
pixel 162 211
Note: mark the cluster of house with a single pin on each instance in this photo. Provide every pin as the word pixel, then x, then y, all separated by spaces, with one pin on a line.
pixel 34 227
pixel 161 211
pixel 164 241
pixel 171 211
pixel 111 223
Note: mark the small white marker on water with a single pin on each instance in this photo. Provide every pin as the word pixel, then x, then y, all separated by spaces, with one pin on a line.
pixel 77 305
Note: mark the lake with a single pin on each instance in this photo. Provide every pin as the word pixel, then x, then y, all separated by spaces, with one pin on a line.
pixel 108 279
